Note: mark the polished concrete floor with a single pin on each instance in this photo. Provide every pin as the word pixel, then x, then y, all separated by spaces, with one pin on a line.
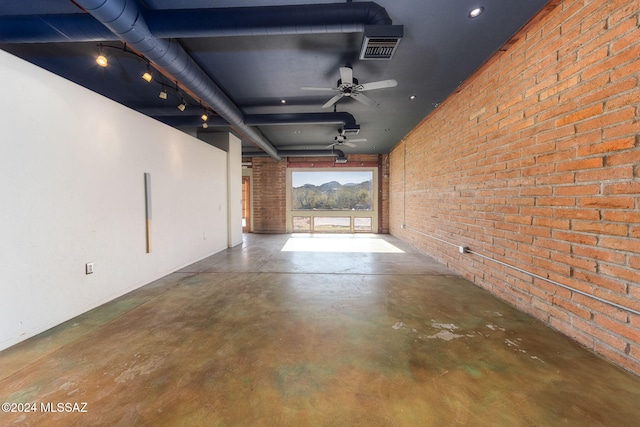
pixel 330 331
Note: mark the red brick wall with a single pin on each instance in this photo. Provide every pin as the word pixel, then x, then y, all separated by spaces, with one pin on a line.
pixel 383 217
pixel 535 162
pixel 269 195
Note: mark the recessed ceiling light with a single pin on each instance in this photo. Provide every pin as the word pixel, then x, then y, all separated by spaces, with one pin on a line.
pixel 412 97
pixel 283 101
pixel 476 12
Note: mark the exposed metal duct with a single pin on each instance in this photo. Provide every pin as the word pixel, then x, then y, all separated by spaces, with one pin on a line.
pixel 125 19
pixel 186 23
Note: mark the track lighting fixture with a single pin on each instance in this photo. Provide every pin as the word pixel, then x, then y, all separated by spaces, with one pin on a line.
pixel 204 117
pixel 101 60
pixel 147 76
pixel 205 125
pixel 182 104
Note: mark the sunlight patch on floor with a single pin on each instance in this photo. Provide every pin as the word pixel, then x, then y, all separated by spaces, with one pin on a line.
pixel 344 243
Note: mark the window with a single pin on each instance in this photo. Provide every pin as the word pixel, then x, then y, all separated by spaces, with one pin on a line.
pixel 334 190
pixel 332 200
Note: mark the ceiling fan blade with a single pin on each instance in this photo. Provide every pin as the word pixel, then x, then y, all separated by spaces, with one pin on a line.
pixel 346 75
pixel 349 144
pixel 378 85
pixel 364 99
pixel 358 139
pixel 333 100
pixel 330 146
pixel 324 89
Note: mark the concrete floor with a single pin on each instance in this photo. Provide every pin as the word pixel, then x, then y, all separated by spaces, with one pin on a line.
pixel 257 336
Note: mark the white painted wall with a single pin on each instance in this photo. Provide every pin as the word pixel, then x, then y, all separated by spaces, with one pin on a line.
pixel 234 172
pixel 233 146
pixel 72 167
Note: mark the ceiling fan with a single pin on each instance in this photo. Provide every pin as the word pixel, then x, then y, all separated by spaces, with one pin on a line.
pixel 348 86
pixel 342 140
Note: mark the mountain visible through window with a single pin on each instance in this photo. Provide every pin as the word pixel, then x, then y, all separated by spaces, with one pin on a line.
pixel 338 191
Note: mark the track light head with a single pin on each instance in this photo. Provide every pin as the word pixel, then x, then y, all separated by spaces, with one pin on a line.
pixel 205 125
pixel 102 61
pixel 182 106
pixel 204 117
pixel 147 76
pixel 163 94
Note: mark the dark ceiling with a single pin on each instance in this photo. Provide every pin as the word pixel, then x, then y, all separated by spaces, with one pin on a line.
pixel 264 65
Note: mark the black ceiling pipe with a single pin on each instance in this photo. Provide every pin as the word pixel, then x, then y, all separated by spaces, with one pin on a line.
pixel 267 20
pixel 124 18
pixel 338 154
pixel 340 118
pixel 186 23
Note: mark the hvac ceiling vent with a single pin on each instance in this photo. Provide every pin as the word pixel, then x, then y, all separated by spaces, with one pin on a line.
pixel 381 41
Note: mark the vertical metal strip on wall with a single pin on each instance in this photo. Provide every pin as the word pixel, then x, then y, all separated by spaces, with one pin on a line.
pixel 147 207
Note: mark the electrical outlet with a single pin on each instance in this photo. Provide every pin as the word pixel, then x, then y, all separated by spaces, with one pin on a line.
pixel 88 268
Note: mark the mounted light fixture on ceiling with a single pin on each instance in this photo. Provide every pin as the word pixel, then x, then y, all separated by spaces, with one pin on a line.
pixel 476 12
pixel 204 117
pixel 183 104
pixel 147 76
pixel 101 60
pixel 163 93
